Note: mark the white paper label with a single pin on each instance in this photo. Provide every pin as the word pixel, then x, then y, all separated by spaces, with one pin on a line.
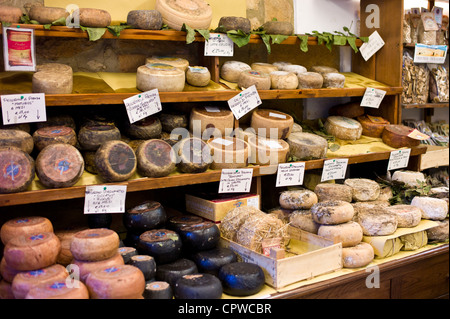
pixel 212 109
pixel 142 105
pixel 280 116
pixel 219 44
pixel 236 180
pixel 100 199
pixel 19 49
pixel 222 141
pixel 290 174
pixel 334 169
pixel 244 102
pixel 370 48
pixel 23 108
pixel 399 159
pixel 373 98
pixel 415 134
pixel 430 53
pixel 271 144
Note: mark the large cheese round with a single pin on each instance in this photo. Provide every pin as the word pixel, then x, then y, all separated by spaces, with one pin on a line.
pixel 94 18
pixel 197 14
pixel 180 63
pixel 332 212
pixel 322 69
pixel 210 261
pixel 211 121
pixel 363 189
pixel 59 165
pixel 331 191
pixel 410 178
pixel 10 14
pixel 173 120
pixel 440 232
pixel 24 226
pixel 199 237
pixel 304 220
pixel 229 152
pixel 32 252
pixel 155 158
pixel 407 215
pixel 272 124
pixel 87 267
pixel 235 23
pixel 53 78
pixel 162 244
pixel 241 278
pixel 194 155
pixel 231 70
pixel 267 152
pixel 176 222
pixel 18 170
pixel 432 208
pixel 349 234
pixel 198 286
pixel 65 256
pixel 94 244
pixel 164 77
pixel 307 146
pixel 263 67
pixel 145 19
pixel 16 138
pixel 115 161
pixel 145 129
pixel 198 76
pixel 91 137
pixel 372 126
pixel 333 80
pixel 62 289
pixel 310 80
pixel 357 256
pixel 295 68
pixel 52 135
pixel 377 221
pixel 343 128
pixel 47 15
pixel 298 199
pixel 145 216
pixel 283 80
pixel 248 78
pixel 396 136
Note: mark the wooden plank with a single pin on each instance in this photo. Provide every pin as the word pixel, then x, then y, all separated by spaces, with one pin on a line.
pixel 425 106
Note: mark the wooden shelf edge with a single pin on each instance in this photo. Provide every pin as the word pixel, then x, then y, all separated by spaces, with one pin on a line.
pixel 426 106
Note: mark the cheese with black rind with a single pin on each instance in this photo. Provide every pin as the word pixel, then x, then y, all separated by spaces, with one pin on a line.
pixel 147 215
pixel 310 80
pixel 357 256
pixel 24 226
pixel 349 234
pixel 322 69
pixel 440 232
pixel 298 199
pixel 94 244
pixel 407 215
pixel 63 289
pixel 176 62
pixel 199 237
pixel 194 156
pixel 278 27
pixel 156 158
pixel 99 220
pixel 231 70
pixel 350 109
pixel 283 80
pixel 115 161
pixel 198 76
pixel 91 137
pixel 16 138
pixel 235 23
pixel 145 19
pixel 262 67
pixel 127 253
pixel 47 15
pixel 176 222
pixel 329 191
pixel 18 168
pixel 52 82
pixel 94 18
pixel 198 286
pixel 197 14
pixel 333 80
pixel 272 124
pixel 145 129
pixel 171 121
pixel 89 162
pixel 210 261
pixel 10 14
pixel 372 126
pixel 171 272
pixel 432 208
pixel 241 279
pixel 363 189
pixel 410 178
pixel 158 290
pixel 229 152
pixel 303 219
pixel 164 77
pixel 343 128
pixel 332 212
pixel 211 122
pixel 267 152
pixel 307 146
pixel 377 221
pixel 163 244
pixel 58 120
pixel 248 78
pixel 26 127
pixel 52 135
pixel 32 252
pixel 87 267
pixel 146 264
pixel 396 136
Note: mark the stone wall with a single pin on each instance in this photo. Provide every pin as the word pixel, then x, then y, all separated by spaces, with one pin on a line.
pixel 260 11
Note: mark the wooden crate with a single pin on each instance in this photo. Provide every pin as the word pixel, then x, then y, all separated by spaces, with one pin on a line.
pixel 307 256
pixel 435 156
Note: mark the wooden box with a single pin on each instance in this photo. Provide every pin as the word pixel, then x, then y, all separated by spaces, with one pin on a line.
pixel 306 256
pixel 435 156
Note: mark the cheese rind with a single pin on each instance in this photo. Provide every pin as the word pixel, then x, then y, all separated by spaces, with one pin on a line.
pixel 18 168
pixel 332 212
pixel 278 27
pixel 267 152
pixel 52 135
pixel 145 129
pixel 10 14
pixel 94 244
pixel 377 221
pixel 24 226
pixel 432 208
pixel 91 137
pixel 164 77
pixel 307 146
pixel 410 178
pixel 283 80
pixel 349 234
pixel 62 289
pixel 328 191
pixel 298 199
pixel 87 267
pixel 357 256
pixel 145 19
pixel 197 14
pixel 94 18
pixel 229 152
pixel 47 15
pixel 235 23
pixel 194 155
pixel 363 189
pixel 372 126
pixel 304 220
pixel 343 128
pixel 155 158
pixel 207 122
pixel 295 68
pixel 310 80
pixel 249 78
pixel 115 161
pixel 407 215
pixel 231 70
pixel 272 124
pixel 333 80
pixel 176 62
pixel 53 78
pixel 322 69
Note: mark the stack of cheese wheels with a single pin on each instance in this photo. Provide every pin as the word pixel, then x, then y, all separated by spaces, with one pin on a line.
pixel 196 14
pixel 145 129
pixel 65 236
pixel 54 134
pixel 372 126
pixel 94 18
pixel 16 138
pixel 343 128
pixel 363 189
pixel 229 152
pixel 375 219
pixel 283 80
pixel 272 124
pixel 177 62
pixel 24 226
pixel 307 146
pixel 47 15
pixel 248 78
pixel 264 67
pixel 432 208
pixel 161 76
pixel 397 136
pixel 115 161
pixel 92 136
pixel 409 178
pixel 18 169
pixel 231 70
pixel 198 76
pixel 155 158
pixel 211 121
pixel 53 78
pixel 61 289
pixel 267 151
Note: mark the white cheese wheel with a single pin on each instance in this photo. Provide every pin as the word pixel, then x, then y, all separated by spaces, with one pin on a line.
pixel 94 244
pixel 407 215
pixel 310 80
pixel 281 64
pixel 332 212
pixel 321 69
pixel 363 189
pixel 410 178
pixel 272 124
pixel 231 70
pixel 211 121
pixel 87 267
pixel 248 78
pixel 198 76
pixel 180 63
pixel 386 193
pixel 197 14
pixel 55 68
pixel 267 152
pixel 115 161
pixel 298 199
pixel 18 170
pixel 304 220
pixel 440 232
pixel 46 15
pixel 164 77
pixel 24 226
pixel 307 146
pixel 283 80
pixel 357 256
pixel 295 68
pixel 53 78
pixel 194 155
pixel 229 152
pixel 343 128
pixel 17 138
pixel 61 289
pixel 330 191
pixel 263 67
pixel 333 80
pixel 94 18
pixel 377 221
pixel 155 158
pixel 432 208
pixel 349 234
pixel 52 135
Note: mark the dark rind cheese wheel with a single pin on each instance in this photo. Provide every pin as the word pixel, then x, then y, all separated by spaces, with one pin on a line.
pixel 127 253
pixel 18 170
pixel 171 121
pixel 350 109
pixel 235 23
pixel 62 289
pixel 396 136
pixel 32 252
pixel 99 220
pixel 164 245
pixel 87 267
pixel 24 226
pixel 10 14
pixel 156 158
pixel 158 290
pixel 145 216
pixel 173 271
pixel 89 162
pixel 146 264
pixel 115 161
pixel 26 127
pixel 94 18
pixel 94 244
pixel 17 138
pixel 59 165
pixel 145 19
pixel 198 286
pixel 198 237
pixel 58 120
pixel 241 279
pixel 372 126
pixel 210 261
pixel 194 156
pixel 176 222
pixel 145 129
pixel 54 134
pixel 47 15
pixel 91 137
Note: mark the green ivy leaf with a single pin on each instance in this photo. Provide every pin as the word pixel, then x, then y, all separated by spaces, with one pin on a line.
pixel 116 29
pixel 190 33
pixel 203 33
pixel 277 38
pixel 352 43
pixel 303 42
pixel 239 37
pixel 339 40
pixel 94 34
pixel 266 40
pixel 5 24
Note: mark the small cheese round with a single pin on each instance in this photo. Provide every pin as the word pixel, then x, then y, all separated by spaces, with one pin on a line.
pixel 303 219
pixel 164 77
pixel 343 128
pixel 194 155
pixel 235 23
pixel 47 15
pixel 440 232
pixel 62 289
pixel 10 14
pixel 199 237
pixel 272 124
pixel 278 27
pixel 146 264
pixel 267 152
pixel 333 80
pixel 51 81
pixel 310 80
pixel 328 191
pixel 349 234
pixel 410 178
pixel 172 271
pixel 229 152
pixel 372 126
pixel 248 78
pixel 207 122
pixel 377 221
pixel 298 199
pixel 432 208
pixel 115 161
pixel 357 256
pixel 17 138
pixel 145 129
pixel 91 137
pixel 210 261
pixel 198 76
pixel 241 278
pixel 363 189
pixel 87 267
pixel 155 158
pixel 407 215
pixel 198 286
pixel 307 146
pixel 24 226
pixel 158 290
pixel 332 212
pixel 263 67
pixel 52 135
pixel 162 244
pixel 283 80
pixel 396 136
pixel 176 62
pixel 197 14
pixel 94 244
pixel 145 19
pixel 18 170
pixel 295 68
pixel 127 253
pixel 145 216
pixel 231 70
pixel 94 18
pixel 322 69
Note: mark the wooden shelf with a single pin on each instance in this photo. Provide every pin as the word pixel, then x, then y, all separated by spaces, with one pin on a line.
pixel 425 106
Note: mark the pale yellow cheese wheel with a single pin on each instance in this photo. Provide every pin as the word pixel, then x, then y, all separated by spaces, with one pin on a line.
pixel 263 67
pixel 267 152
pixel 249 78
pixel 211 121
pixel 349 234
pixel 198 76
pixel 272 124
pixel 229 152
pixel 357 256
pixel 177 62
pixel 197 14
pixel 283 80
pixel 231 70
pixel 164 77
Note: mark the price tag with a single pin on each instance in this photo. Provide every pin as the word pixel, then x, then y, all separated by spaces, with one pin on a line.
pixel 415 134
pixel 372 98
pixel 142 105
pixel 373 46
pixel 244 102
pixel 290 174
pixel 399 159
pixel 236 180
pixel 23 108
pixel 100 199
pixel 334 169
pixel 219 44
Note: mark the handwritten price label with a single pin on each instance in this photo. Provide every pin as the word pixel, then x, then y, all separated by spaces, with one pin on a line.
pixel 244 102
pixel 290 174
pixel 236 180
pixel 399 159
pixel 373 98
pixel 23 108
pixel 142 105
pixel 334 169
pixel 219 45
pixel 105 199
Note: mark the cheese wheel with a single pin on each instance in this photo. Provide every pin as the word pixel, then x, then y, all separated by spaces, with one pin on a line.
pixel 24 281
pixel 372 126
pixel 357 256
pixel 272 124
pixel 198 286
pixel 377 221
pixel 116 282
pixel 47 15
pixel 199 237
pixel 410 178
pixel 332 212
pixel 386 193
pixel 24 226
pixel 145 19
pixel 363 189
pixel 229 152
pixel 32 252
pixel 85 268
pixel 349 234
pixel 235 23
pixel 6 290
pixel 61 289
pixel 164 245
pixel 328 191
pixel 171 272
pixel 155 158
pixel 176 222
pixel 295 68
pixel 172 121
pixel 127 253
pixel 307 146
pixel 146 264
pixel 310 80
pixel 333 80
pixel 343 128
pixel 407 215
pixel 211 121
pixel 241 279
pixel 65 256
pixel 94 18
pixel 8 273
pixel 244 132
pixel 94 244
pixel 350 109
pixel 10 14
pixel 283 80
pixel 52 135
pixel 440 232
pixel 89 162
pixel 26 127
pixel 115 161
pixel 158 290
pixel 248 78
pixel 432 208
pixel 296 128
pixel 55 67
pixel 298 199
pixel 303 219
pixel 198 76
pixel 210 261
pixel 179 63
pixel 164 77
pixel 281 64
pixel 322 69
pixel 145 216
pixel 231 70
pixel 396 136
pixel 263 67
pixel 194 156
pixel 267 152
pixel 197 14
pixel 17 138
pixel 18 168
pixel 278 27
pixel 91 137
pixel 145 129
pixel 52 82
pixel 59 165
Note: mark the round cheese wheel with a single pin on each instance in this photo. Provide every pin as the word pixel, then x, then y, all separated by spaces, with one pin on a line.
pixel 229 152
pixel 278 27
pixel 24 226
pixel 263 67
pixel 164 245
pixel 396 136
pixel 146 264
pixel 372 126
pixel 55 68
pixel 410 178
pixel 386 193
pixel 199 237
pixel 231 70
pixel 24 281
pixel 329 191
pixel 363 189
pixel 440 232
pixel 52 82
pixel 47 15
pixel 432 208
pixel 307 146
pixel 343 128
pixel 210 261
pixel 349 234
pixel 18 170
pixel 145 216
pixel 164 77
pixel 172 121
pixel 303 219
pixel 6 290
pixel 407 215
pixel 333 80
pixel 7 273
pixel 127 253
pixel 247 78
pixel 94 244
pixel 207 122
pixel 179 63
pixel 241 278
pixel 244 132
pixel 176 222
pixel 198 286
pixel 322 69
pixel 145 19
pixel 198 76
pixel 310 80
pixel 158 290
pixel 116 282
pixel 59 165
pixel 94 18
pixel 267 152
pixel 87 267
pixel 115 161
pixel 283 80
pixel 62 289
pixel 65 256
pixel 377 221
pixel 194 155
pixel 295 68
pixel 281 64
pixel 298 199
pixel 197 14
pixel 10 14
pixel 171 272
pixel 272 124
pixel 357 256
pixel 17 138
pixel 145 129
pixel 52 135
pixel 235 23
pixel 89 162
pixel 350 109
pixel 155 158
pixel 32 252
pixel 332 212
pixel 91 137
pixel 26 127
